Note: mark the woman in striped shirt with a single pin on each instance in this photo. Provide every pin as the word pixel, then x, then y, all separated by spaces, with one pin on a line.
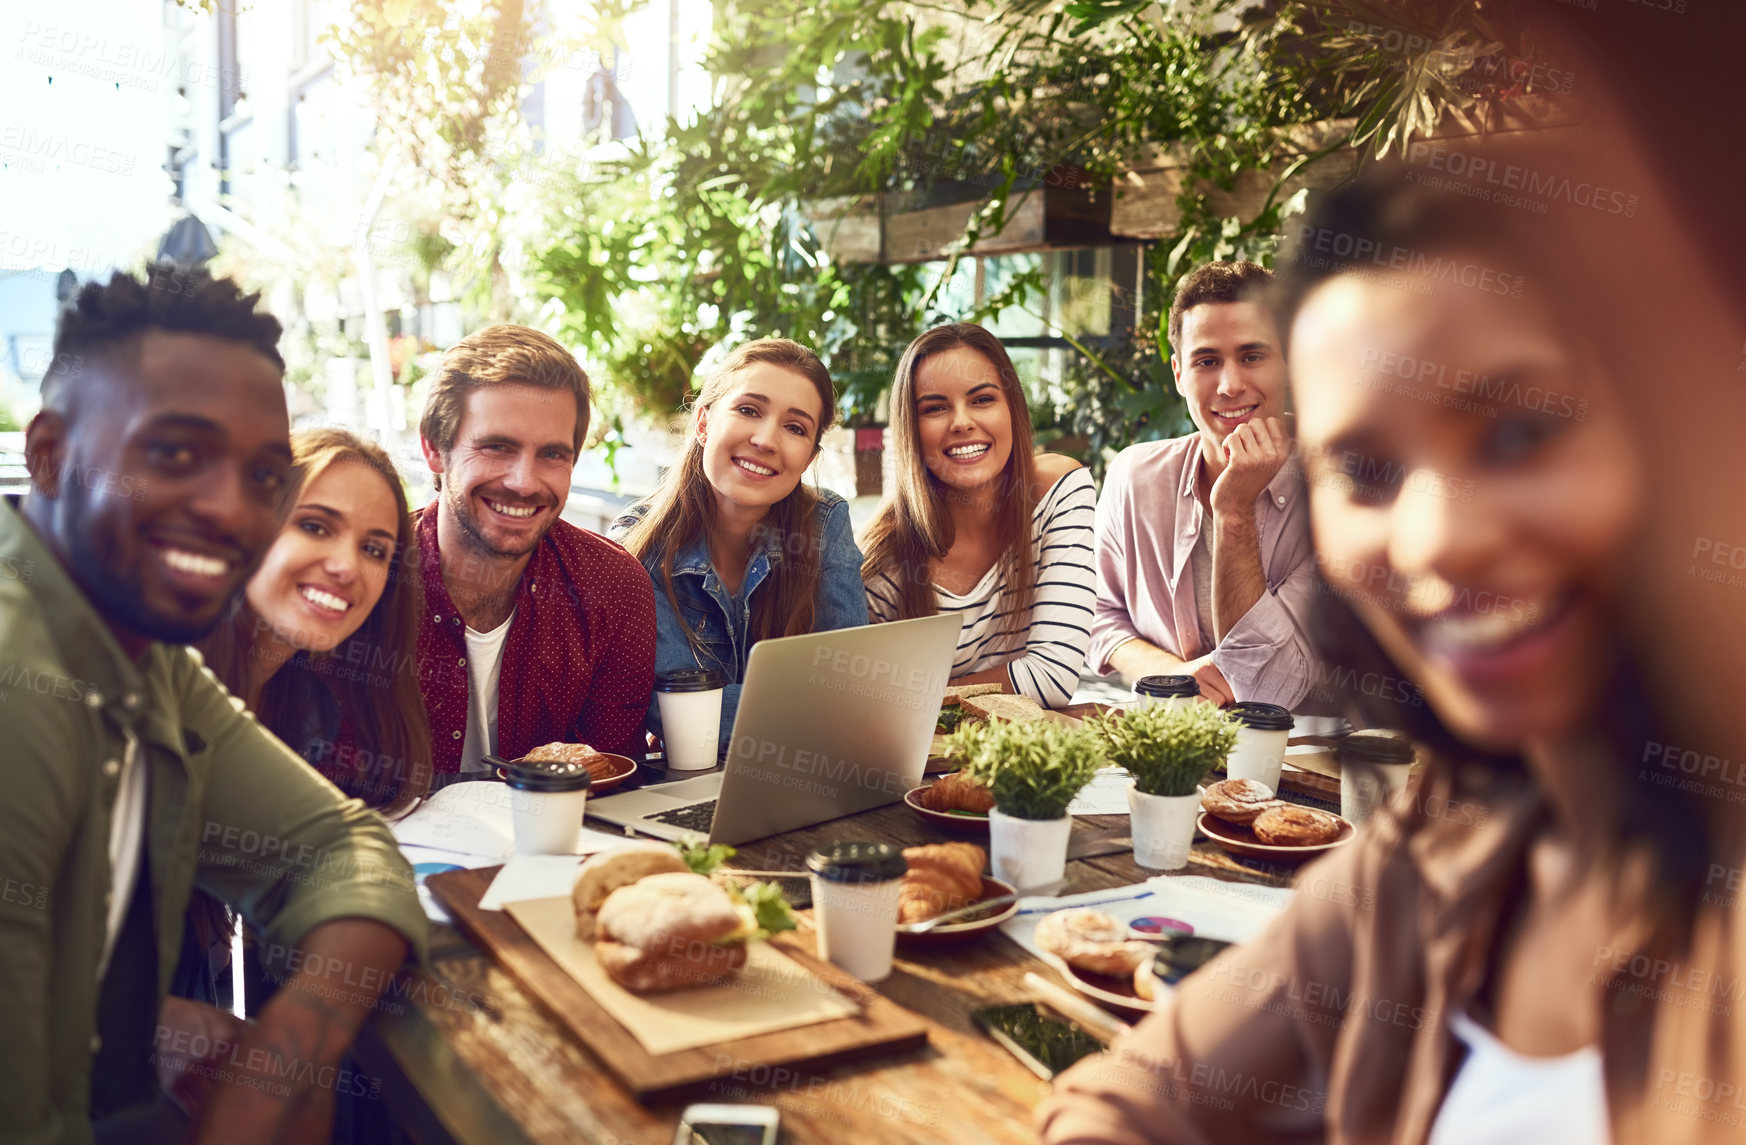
pixel 979 525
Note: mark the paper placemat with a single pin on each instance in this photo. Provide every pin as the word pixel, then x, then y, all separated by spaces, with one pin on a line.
pixel 771 993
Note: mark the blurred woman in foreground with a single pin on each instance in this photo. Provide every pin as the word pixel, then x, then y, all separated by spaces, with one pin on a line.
pixel 1523 948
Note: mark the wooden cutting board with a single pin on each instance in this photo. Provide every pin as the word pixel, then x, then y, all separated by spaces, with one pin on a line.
pixel 881 1026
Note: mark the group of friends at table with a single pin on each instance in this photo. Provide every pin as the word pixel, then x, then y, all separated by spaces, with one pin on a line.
pixel 231 650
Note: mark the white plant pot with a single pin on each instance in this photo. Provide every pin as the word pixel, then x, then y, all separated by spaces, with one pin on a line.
pixel 1163 828
pixel 1028 853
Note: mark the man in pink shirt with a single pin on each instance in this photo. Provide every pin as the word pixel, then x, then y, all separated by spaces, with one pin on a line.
pixel 1204 560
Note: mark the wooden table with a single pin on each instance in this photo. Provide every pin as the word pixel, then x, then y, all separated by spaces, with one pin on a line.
pixel 469 1057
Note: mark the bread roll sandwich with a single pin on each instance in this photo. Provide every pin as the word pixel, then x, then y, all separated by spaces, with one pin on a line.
pixel 672 932
pixel 619 867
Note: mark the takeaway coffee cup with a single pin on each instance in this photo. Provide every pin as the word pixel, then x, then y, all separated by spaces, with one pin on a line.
pixel 546 801
pixel 1176 691
pixel 854 893
pixel 1259 754
pixel 1373 766
pixel 690 702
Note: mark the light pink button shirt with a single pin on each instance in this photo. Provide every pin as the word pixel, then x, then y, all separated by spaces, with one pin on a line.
pixel 1147 521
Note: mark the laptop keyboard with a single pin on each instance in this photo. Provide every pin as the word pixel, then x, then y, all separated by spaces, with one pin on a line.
pixel 692 817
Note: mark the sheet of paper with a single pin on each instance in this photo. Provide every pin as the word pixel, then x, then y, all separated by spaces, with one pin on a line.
pixel 476 818
pixel 531 877
pixel 771 992
pixel 1106 794
pixel 1235 912
pixel 427 861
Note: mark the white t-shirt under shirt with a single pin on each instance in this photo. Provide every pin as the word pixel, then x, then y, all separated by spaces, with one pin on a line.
pixel 1500 1096
pixel 1054 637
pixel 484 667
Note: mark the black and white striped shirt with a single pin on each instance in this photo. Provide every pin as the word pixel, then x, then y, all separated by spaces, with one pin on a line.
pixel 1055 635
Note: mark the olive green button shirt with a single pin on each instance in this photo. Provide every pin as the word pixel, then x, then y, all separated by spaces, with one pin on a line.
pixel 232 811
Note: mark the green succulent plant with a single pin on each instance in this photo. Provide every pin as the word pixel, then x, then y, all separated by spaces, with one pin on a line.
pixel 1167 749
pixel 1033 769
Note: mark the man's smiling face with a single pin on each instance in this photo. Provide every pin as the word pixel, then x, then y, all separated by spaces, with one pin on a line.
pixel 507 476
pixel 167 471
pixel 1229 369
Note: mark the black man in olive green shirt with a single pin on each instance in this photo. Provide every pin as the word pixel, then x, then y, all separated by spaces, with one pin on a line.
pixel 129 776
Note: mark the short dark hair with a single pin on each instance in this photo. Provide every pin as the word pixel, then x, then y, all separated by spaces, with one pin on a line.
pixel 106 320
pixel 1240 281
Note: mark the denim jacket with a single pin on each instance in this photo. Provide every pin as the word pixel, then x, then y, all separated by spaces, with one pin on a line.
pixel 720 623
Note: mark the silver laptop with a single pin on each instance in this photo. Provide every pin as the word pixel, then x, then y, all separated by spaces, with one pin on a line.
pixel 829 724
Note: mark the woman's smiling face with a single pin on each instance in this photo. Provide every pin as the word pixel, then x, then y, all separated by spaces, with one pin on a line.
pixel 760 435
pixel 1473 488
pixel 962 418
pixel 329 565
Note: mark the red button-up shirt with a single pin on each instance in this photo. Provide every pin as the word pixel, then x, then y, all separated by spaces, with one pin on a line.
pixel 579 661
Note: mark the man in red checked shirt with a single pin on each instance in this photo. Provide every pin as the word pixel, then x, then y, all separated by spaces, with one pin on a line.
pixel 534 631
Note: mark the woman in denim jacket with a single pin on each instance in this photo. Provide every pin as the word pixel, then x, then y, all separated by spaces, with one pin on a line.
pixel 738 548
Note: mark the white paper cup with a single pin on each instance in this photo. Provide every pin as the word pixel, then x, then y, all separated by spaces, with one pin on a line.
pixel 547 822
pixel 1365 787
pixel 1373 766
pixel 1171 691
pixel 1259 752
pixel 690 706
pixel 854 901
pixel 546 799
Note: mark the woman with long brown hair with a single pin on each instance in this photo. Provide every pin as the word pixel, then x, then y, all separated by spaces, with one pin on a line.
pixel 1530 943
pixel 322 644
pixel 979 524
pixel 738 547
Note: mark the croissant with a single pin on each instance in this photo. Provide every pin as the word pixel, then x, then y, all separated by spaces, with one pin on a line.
pixel 958 792
pixel 941 877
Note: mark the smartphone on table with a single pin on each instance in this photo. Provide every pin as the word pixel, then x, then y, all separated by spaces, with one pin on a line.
pixel 719 1124
pixel 1044 1042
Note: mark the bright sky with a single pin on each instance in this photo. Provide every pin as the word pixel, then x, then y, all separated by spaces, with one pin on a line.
pixel 81 158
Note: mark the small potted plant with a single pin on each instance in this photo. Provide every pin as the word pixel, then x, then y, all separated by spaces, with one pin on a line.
pixel 1167 750
pixel 1033 770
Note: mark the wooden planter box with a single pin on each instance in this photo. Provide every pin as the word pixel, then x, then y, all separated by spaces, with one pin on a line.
pixel 1063 210
pixel 1145 193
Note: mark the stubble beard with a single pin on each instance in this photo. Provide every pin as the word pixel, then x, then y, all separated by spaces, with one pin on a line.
pixel 460 505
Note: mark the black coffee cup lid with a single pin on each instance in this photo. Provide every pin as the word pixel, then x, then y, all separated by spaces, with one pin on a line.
pixel 1261 717
pixel 1376 747
pixel 690 680
pixel 1167 686
pixel 857 862
pixel 554 775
